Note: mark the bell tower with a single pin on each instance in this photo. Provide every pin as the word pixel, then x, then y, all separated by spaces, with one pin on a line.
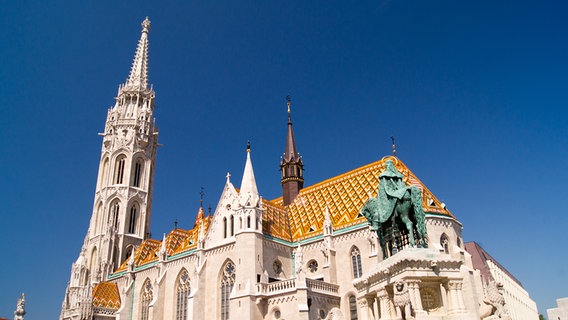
pixel 123 196
pixel 291 165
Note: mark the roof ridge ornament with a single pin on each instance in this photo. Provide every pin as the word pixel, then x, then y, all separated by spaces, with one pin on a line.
pixel 393 146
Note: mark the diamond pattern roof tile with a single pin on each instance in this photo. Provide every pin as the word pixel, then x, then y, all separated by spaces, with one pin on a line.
pixel 105 295
pixel 344 195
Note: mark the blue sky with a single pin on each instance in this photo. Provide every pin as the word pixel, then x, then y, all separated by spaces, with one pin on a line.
pixel 474 92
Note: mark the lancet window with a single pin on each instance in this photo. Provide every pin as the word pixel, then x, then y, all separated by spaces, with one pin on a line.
pixel 104 173
pixel 119 169
pixel 356 262
pixel 224 227
pixel 232 225
pixel 132 220
pixel 352 308
pixel 137 173
pixel 113 216
pixel 145 298
pixel 227 283
pixel 182 294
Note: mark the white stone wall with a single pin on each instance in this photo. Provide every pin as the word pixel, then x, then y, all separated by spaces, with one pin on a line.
pixel 518 302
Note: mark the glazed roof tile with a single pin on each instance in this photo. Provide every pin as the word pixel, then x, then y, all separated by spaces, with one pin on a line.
pixel 177 241
pixel 105 295
pixel 344 195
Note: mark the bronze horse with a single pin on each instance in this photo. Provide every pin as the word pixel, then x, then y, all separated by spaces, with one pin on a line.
pixel 395 200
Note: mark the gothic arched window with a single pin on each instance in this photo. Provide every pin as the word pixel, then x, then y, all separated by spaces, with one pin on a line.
pixel 145 299
pixel 119 169
pixel 137 174
pixel 445 243
pixel 182 293
pixel 224 227
pixel 227 283
pixel 352 308
pixel 113 214
pixel 104 173
pixel 232 225
pixel 132 220
pixel 356 262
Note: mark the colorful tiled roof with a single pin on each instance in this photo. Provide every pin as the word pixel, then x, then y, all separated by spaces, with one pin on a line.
pixel 105 295
pixel 177 241
pixel 344 195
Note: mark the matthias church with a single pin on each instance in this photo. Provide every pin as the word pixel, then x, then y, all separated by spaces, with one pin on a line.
pixel 371 243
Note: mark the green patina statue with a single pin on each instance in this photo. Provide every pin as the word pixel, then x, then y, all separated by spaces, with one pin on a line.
pixel 396 202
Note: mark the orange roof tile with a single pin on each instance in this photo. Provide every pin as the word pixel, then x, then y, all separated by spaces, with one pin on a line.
pixel 344 195
pixel 105 295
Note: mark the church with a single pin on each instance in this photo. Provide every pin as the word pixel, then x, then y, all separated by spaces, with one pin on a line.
pixel 372 243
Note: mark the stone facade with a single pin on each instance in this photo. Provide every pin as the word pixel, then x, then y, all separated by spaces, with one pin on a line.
pixel 307 255
pixel 560 312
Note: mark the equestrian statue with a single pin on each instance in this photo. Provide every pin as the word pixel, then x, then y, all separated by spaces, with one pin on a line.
pixel 396 202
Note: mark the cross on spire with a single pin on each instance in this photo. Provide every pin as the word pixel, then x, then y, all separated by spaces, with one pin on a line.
pixel 393 146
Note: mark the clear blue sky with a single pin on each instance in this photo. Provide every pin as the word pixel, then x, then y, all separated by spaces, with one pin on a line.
pixel 476 93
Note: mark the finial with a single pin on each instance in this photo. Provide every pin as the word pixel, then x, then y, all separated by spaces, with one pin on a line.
pixel 175 223
pixel 248 146
pixel 288 102
pixel 393 146
pixel 228 176
pixel 146 25
pixel 201 194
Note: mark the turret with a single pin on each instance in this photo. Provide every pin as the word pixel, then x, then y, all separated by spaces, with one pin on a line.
pixel 291 165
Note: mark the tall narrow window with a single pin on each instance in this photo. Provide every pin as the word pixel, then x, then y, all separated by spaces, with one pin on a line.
pixel 232 225
pixel 352 308
pixel 104 174
pixel 145 299
pixel 113 215
pixel 183 291
pixel 132 221
pixel 128 253
pixel 119 169
pixel 224 227
pixel 444 242
pixel 227 283
pixel 137 173
pixel 356 262
pixel 248 222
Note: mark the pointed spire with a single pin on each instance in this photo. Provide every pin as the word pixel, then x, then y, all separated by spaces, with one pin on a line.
pixel 291 165
pixel 248 191
pixel 291 153
pixel 163 248
pixel 139 72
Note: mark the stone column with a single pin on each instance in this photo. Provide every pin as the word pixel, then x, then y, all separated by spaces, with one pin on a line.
pixel 384 304
pixel 414 292
pixel 363 308
pixel 455 295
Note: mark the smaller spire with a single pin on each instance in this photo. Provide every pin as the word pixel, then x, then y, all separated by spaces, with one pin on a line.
pixel 139 73
pixel 248 190
pixel 201 194
pixel 163 248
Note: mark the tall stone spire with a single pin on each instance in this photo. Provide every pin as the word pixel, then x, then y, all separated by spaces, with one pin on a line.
pixel 248 192
pixel 139 72
pixel 122 206
pixel 291 165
